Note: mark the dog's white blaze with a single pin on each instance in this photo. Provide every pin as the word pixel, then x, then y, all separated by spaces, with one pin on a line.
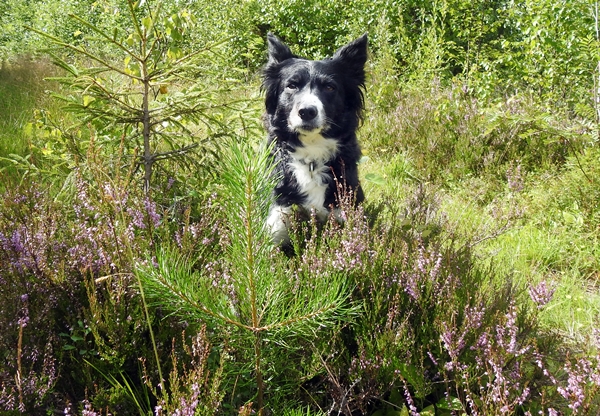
pixel 311 172
pixel 307 99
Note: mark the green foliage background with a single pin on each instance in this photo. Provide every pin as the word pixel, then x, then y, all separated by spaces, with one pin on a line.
pixel 481 172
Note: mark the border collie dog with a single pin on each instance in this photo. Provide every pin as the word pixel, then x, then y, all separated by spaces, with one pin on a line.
pixel 313 109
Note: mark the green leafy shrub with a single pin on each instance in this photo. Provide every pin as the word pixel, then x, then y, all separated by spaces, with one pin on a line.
pixel 448 135
pixel 149 98
pixel 579 189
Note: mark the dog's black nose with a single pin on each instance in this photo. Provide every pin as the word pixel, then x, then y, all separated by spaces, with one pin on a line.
pixel 308 113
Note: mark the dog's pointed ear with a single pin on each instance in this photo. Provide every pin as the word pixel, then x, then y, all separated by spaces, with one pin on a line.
pixel 278 51
pixel 353 54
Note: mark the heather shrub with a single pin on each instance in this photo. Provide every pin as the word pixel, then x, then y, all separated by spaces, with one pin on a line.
pixel 33 297
pixel 438 332
pixel 437 129
pixel 518 131
pixel 435 329
pixel 72 315
pixel 447 134
pixel 195 387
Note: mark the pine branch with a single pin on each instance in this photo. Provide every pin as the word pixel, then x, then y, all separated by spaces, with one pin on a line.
pixel 85 53
pixel 105 36
pixel 268 304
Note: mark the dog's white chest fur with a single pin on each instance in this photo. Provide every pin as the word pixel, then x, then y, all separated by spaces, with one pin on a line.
pixel 310 169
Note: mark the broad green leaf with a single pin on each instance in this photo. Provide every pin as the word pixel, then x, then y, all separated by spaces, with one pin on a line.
pixel 428 411
pixel 450 403
pixel 414 378
pixel 147 22
pixel 174 52
pixel 375 178
pixel 87 100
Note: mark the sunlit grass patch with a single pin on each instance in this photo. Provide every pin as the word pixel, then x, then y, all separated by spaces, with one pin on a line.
pixel 534 237
pixel 22 93
pixel 17 101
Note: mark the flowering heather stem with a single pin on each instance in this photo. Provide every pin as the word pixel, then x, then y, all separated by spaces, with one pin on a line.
pixel 154 348
pixel 19 365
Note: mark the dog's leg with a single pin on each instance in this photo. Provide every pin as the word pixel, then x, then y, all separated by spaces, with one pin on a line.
pixel 278 223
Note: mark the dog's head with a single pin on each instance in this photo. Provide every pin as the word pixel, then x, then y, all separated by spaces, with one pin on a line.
pixel 314 97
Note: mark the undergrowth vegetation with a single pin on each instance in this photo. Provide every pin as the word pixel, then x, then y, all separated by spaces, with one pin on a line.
pixel 136 276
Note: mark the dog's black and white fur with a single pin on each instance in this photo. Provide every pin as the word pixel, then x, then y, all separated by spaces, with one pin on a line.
pixel 313 109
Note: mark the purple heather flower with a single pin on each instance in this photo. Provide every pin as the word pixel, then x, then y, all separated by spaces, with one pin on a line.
pixel 452 343
pixel 137 218
pixel 88 409
pixel 432 358
pixel 542 293
pixel 579 376
pixel 515 178
pixel 411 285
pixel 152 213
pixel 409 400
pixel 188 408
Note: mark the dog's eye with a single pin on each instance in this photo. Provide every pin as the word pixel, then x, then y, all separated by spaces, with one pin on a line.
pixel 292 86
pixel 329 87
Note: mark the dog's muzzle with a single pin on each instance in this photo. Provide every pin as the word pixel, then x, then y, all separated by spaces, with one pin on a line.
pixel 308 113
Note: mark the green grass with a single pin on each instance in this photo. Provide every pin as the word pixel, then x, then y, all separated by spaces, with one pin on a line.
pixel 539 233
pixel 540 243
pixel 20 90
pixel 548 230
pixel 22 93
pixel 432 160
